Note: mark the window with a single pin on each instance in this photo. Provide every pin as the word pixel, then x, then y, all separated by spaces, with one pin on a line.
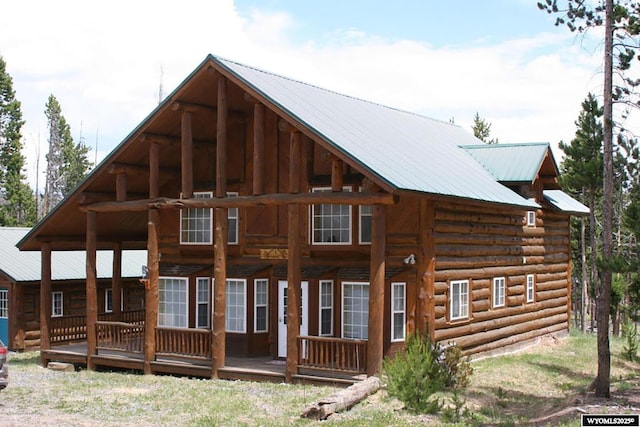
pixel 365 224
pixel 331 223
pixel 531 218
pixel 326 308
pixel 531 287
pixel 261 318
pixel 459 300
pixel 355 310
pixel 236 306
pixel 397 311
pixel 4 303
pixel 173 302
pixel 195 223
pixel 202 302
pixel 499 284
pixel 57 304
pixel 108 300
pixel 232 217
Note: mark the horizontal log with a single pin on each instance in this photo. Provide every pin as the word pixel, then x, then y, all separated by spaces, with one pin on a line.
pixel 342 399
pixel 342 198
pixel 480 294
pixel 518 338
pixel 545 295
pixel 515 290
pixel 480 305
pixel 513 300
pixel 479 208
pixel 471 228
pixel 493 239
pixel 544 277
pixel 483 272
pixel 551 285
pixel 116 168
pixel 479 218
pixel 445 263
pixel 495 250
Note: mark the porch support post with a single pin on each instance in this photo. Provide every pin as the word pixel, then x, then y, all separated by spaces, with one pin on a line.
pixel 218 338
pixel 151 292
pixel 187 156
pixel 91 291
pixel 116 281
pixel 426 266
pixel 375 344
pixel 258 149
pixel 293 262
pixel 45 301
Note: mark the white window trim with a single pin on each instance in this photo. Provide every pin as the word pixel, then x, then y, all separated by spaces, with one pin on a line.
pixel 236 217
pixel 531 218
pixel 403 311
pixel 108 291
pixel 255 306
pixel 244 316
pixel 530 285
pixel 182 279
pixel 199 302
pixel 312 215
pixel 210 241
pixel 328 307
pixel 451 285
pixel 4 303
pixel 343 307
pixel 501 282
pixel 53 305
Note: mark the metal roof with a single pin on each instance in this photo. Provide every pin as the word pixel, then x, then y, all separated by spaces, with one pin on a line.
pixel 65 265
pixel 562 201
pixel 405 150
pixel 510 162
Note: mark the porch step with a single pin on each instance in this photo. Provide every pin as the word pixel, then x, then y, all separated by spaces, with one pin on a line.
pixel 324 381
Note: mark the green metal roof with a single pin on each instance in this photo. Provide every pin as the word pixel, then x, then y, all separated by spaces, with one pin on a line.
pixel 565 203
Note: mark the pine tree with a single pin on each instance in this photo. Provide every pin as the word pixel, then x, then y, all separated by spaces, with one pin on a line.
pixel 17 202
pixel 482 130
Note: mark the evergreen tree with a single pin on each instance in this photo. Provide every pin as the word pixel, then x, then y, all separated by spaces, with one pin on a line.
pixel 17 202
pixel 76 164
pixel 482 130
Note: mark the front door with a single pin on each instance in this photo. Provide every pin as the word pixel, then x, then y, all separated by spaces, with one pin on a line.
pixel 282 314
pixel 4 316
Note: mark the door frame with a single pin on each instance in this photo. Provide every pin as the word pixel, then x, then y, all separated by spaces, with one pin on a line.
pixel 282 326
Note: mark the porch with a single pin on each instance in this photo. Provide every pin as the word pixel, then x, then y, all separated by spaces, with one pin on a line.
pixel 188 351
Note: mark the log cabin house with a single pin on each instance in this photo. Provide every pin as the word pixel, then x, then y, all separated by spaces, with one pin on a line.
pixel 243 182
pixel 20 274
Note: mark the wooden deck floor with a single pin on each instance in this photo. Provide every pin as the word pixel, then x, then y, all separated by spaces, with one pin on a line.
pixel 265 369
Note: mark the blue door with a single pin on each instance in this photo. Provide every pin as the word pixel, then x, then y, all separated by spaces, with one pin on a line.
pixel 4 315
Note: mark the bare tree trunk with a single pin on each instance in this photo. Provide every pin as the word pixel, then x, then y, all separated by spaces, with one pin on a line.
pixel 584 300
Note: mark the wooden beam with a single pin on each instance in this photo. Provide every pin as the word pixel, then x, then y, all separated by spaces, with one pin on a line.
pixel 186 166
pixel 91 289
pixel 127 169
pixel 258 149
pixel 192 107
pixel 121 187
pixel 426 265
pixel 151 292
pixel 295 166
pixel 221 139
pixel 218 338
pixel 116 280
pixel 154 170
pixel 45 300
pixel 337 174
pixel 375 344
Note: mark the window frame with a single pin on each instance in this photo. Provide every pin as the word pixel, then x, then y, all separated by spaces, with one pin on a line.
pixel 174 315
pixel 264 305
pixel 108 300
pixel 244 307
pixel 233 215
pixel 361 215
pixel 57 295
pixel 363 326
pixel 312 227
pixel 208 242
pixel 4 303
pixel 530 288
pixel 462 303
pixel 531 218
pixel 394 311
pixel 322 307
pixel 203 302
pixel 499 300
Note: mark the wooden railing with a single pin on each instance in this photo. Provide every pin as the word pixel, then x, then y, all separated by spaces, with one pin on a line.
pixel 332 354
pixel 120 336
pixel 68 329
pixel 184 342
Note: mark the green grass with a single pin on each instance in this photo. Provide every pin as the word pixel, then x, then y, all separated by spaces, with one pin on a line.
pixel 505 390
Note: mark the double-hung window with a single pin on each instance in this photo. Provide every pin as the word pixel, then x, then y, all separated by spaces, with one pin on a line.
pixel 173 299
pixel 261 313
pixel 499 285
pixel 196 223
pixel 331 224
pixel 4 303
pixel 355 310
pixel 398 304
pixel 531 287
pixel 108 300
pixel 459 299
pixel 57 304
pixel 202 302
pixel 236 315
pixel 326 308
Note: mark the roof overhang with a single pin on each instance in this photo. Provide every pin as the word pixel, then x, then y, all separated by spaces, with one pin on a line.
pixel 565 203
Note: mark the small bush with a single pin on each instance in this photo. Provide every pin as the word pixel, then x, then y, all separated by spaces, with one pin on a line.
pixel 630 334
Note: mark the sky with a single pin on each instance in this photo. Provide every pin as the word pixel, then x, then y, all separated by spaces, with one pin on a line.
pixel 109 62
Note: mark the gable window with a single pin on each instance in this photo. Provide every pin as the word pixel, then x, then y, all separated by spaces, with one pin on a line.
pixel 202 302
pixel 236 319
pixel 398 311
pixel 173 302
pixel 326 308
pixel 499 285
pixel 195 223
pixel 531 287
pixel 331 224
pixel 108 300
pixel 355 310
pixel 232 223
pixel 531 218
pixel 4 303
pixel 261 318
pixel 57 304
pixel 365 224
pixel 458 299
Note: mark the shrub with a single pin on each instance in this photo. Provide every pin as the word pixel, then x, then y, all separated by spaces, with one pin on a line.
pixel 630 334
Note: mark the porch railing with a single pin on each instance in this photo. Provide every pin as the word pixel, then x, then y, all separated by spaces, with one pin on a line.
pixel 184 342
pixel 120 336
pixel 65 329
pixel 332 354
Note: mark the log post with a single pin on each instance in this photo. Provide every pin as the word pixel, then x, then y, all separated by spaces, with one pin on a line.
pixel 116 281
pixel 258 149
pixel 187 155
pixel 91 288
pixel 151 292
pixel 121 187
pixel 45 301
pixel 426 264
pixel 154 170
pixel 375 344
pixel 337 178
pixel 218 338
pixel 294 274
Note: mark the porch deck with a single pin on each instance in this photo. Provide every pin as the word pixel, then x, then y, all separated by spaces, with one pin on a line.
pixel 265 369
